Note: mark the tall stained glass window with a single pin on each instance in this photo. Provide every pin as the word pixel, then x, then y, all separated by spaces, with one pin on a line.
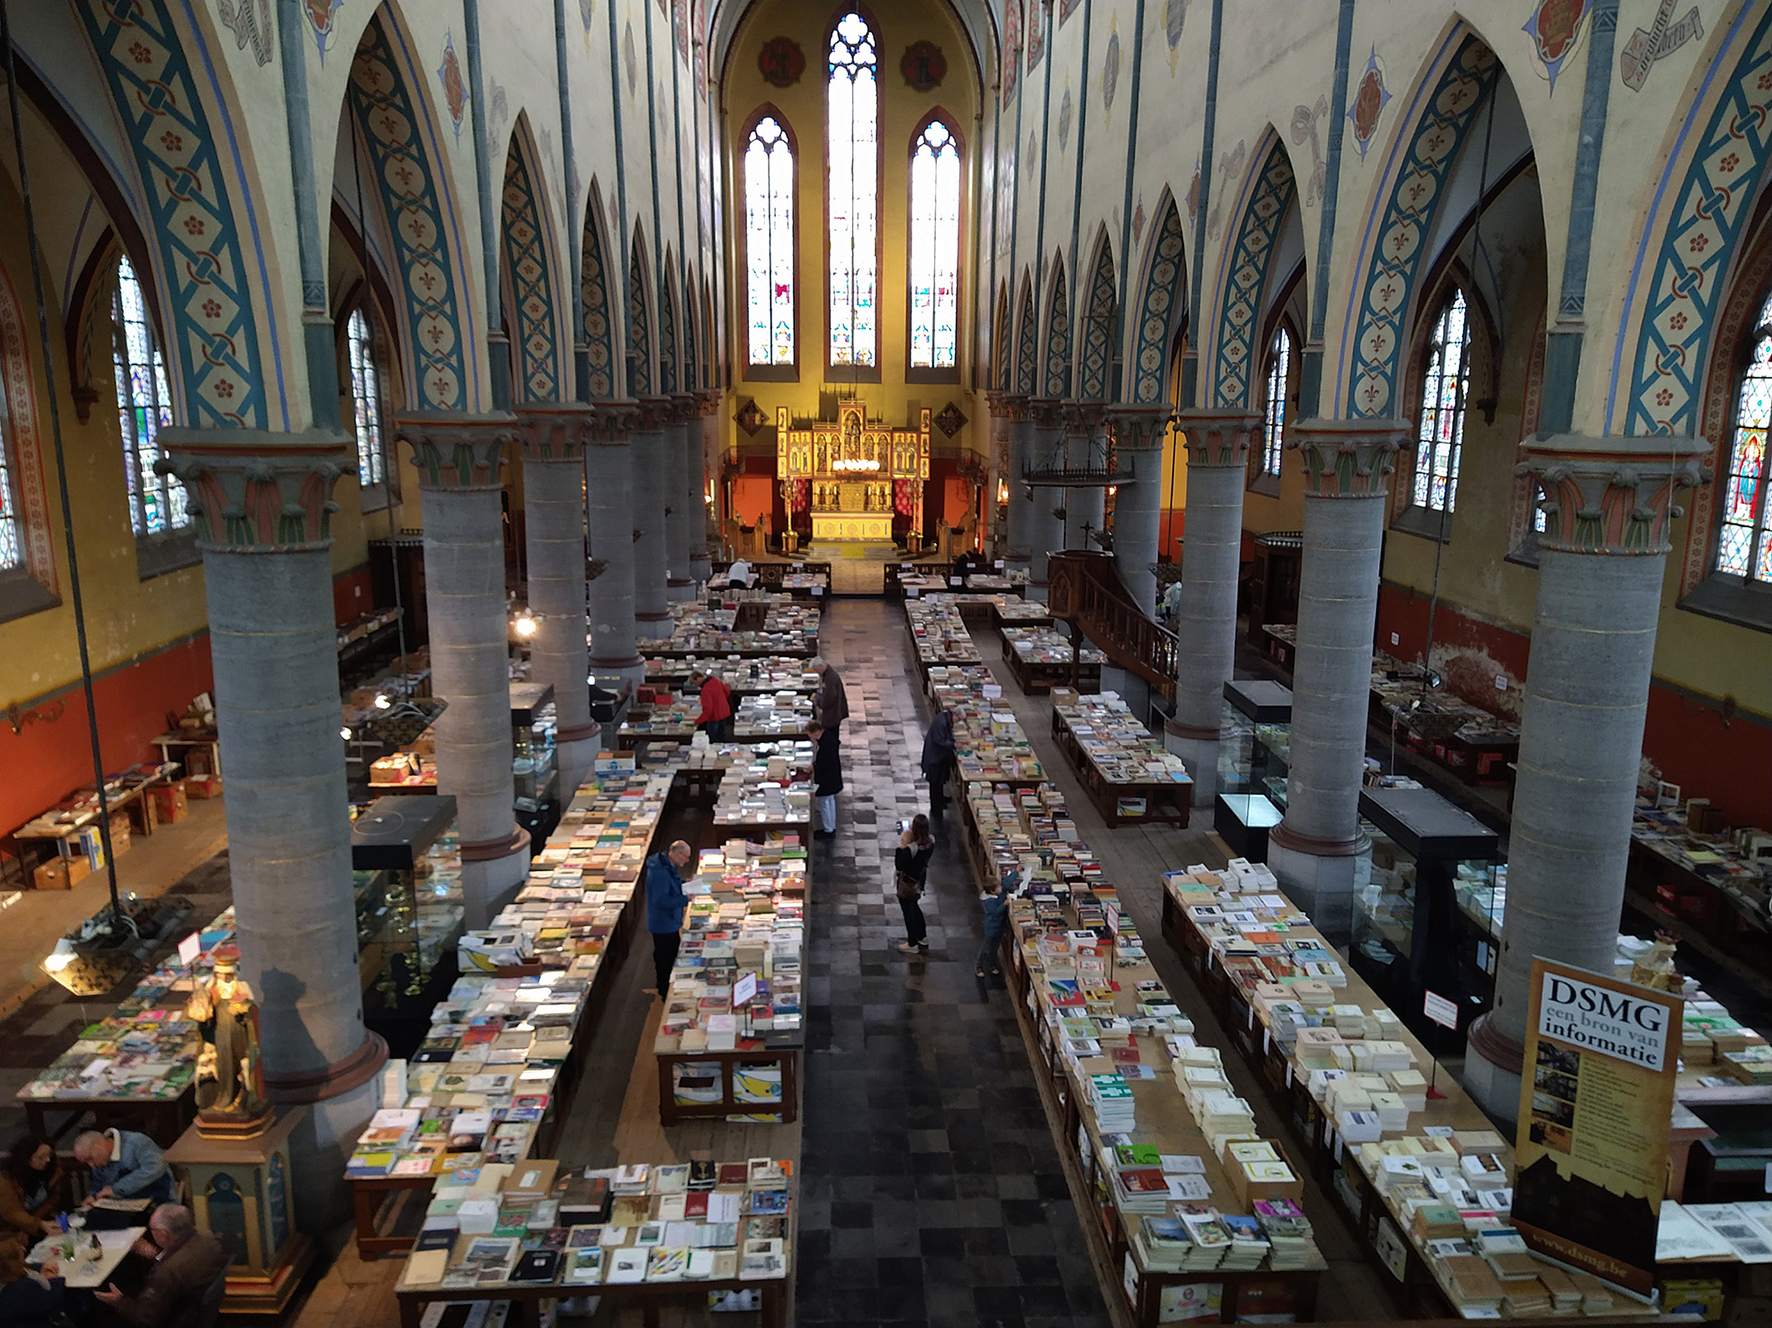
pixel 1439 431
pixel 935 248
pixel 366 393
pixel 853 114
pixel 12 533
pixel 144 405
pixel 1744 544
pixel 769 242
pixel 1273 438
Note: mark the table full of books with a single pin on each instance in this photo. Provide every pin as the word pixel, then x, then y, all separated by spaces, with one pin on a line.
pixel 1041 659
pixel 939 633
pixel 772 715
pixel 786 627
pixel 989 743
pixel 1126 771
pixel 743 677
pixel 542 1230
pixel 765 788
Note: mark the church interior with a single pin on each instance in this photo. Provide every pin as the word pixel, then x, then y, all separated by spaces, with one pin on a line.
pixel 946 662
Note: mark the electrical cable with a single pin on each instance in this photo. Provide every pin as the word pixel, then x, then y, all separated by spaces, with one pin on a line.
pixel 61 464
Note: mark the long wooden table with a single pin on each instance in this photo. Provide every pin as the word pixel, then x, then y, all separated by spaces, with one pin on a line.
pixel 526 1297
pixel 1163 801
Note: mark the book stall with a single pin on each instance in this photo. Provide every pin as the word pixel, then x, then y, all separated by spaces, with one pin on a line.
pixel 752 626
pixel 743 677
pixel 989 744
pixel 771 716
pixel 767 793
pixel 729 1042
pixel 805 585
pixel 903 579
pixel 1028 831
pixel 63 845
pixel 1689 869
pixel 1012 611
pixel 136 1067
pixel 1041 659
pixel 939 634
pixel 1414 1162
pixel 1126 773
pixel 1474 744
pixel 523 1236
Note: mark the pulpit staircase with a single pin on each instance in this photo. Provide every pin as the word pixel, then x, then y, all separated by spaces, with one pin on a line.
pixel 1085 589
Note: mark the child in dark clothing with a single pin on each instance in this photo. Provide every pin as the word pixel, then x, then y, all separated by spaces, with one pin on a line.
pixel 996 922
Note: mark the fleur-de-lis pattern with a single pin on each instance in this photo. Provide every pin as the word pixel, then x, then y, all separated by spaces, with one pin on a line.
pixel 1162 288
pixel 1098 329
pixel 1058 339
pixel 532 289
pixel 1239 314
pixel 593 283
pixel 1027 355
pixel 667 332
pixel 639 326
pixel 409 197
pixel 213 341
pixel 1401 244
pixel 1698 247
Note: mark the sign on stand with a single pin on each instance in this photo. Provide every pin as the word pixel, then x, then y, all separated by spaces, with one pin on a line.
pixel 1442 1011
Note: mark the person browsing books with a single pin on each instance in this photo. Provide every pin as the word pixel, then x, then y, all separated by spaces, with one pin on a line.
pixel 124 1165
pixel 715 716
pixel 185 1266
pixel 29 1297
pixel 665 901
pixel 938 760
pixel 827 777
pixel 996 922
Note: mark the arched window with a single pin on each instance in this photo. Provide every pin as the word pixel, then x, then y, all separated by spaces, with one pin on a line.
pixel 1273 435
pixel 12 529
pixel 156 502
pixel 769 241
pixel 1744 539
pixel 853 111
pixel 935 247
pixel 1439 430
pixel 366 394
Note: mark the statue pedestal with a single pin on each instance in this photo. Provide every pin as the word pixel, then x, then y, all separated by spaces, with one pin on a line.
pixel 241 1193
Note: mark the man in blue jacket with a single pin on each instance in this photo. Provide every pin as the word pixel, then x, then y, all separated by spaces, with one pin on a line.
pixel 124 1165
pixel 665 900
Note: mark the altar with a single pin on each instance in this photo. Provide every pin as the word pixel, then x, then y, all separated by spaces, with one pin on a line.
pixel 853 475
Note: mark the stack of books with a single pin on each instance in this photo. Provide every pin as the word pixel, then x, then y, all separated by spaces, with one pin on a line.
pixel 1111 1096
pixel 1292 1244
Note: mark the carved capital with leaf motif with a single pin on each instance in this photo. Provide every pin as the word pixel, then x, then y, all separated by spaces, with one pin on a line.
pixel 455 452
pixel 1612 496
pixel 1347 458
pixel 254 491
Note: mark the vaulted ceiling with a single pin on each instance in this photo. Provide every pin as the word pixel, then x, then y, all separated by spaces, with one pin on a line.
pixel 982 20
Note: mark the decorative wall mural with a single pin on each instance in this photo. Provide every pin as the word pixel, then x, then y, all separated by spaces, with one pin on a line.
pixel 923 66
pixel 1110 67
pixel 1156 310
pixel 781 62
pixel 586 9
pixel 532 293
pixel 1027 343
pixel 1138 219
pixel 1230 167
pixel 1011 48
pixel 598 315
pixel 639 324
pixel 455 87
pixel 1065 9
pixel 250 22
pixel 680 28
pixel 1064 118
pixel 1368 103
pixel 1036 32
pixel 1240 306
pixel 320 15
pixel 1098 329
pixel 630 62
pixel 212 339
pixel 1058 338
pixel 1174 20
pixel 1555 28
pixel 1305 120
pixel 1662 37
pixel 667 332
pixel 1193 194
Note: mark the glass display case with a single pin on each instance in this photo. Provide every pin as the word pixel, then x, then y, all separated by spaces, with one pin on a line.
pixel 1257 719
pixel 534 773
pixel 406 883
pixel 1421 916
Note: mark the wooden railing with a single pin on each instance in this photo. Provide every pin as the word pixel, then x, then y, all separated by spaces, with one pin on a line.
pixel 1084 588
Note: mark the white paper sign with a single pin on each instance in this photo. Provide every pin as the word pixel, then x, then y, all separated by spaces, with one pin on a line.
pixel 744 991
pixel 1440 1010
pixel 189 949
pixel 1595 1018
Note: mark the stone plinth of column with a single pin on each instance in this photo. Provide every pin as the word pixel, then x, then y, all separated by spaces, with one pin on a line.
pixel 262 505
pixel 682 434
pixel 1607 504
pixel 610 524
pixel 653 485
pixel 459 458
pixel 1318 850
pixel 1138 433
pixel 554 441
pixel 1045 530
pixel 1218 443
pixel 704 464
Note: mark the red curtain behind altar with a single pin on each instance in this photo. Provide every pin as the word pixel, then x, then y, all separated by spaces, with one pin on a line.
pixel 904 496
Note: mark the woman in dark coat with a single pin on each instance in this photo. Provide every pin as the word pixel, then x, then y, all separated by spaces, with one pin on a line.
pixel 910 878
pixel 827 778
pixel 938 760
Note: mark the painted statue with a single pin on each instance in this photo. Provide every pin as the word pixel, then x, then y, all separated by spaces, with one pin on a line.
pixel 230 1081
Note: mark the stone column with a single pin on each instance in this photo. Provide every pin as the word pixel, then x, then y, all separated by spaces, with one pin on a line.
pixel 1085 510
pixel 262 506
pixel 1218 443
pixel 459 458
pixel 1318 848
pixel 704 438
pixel 682 436
pixel 609 521
pixel 1018 434
pixel 1607 504
pixel 652 486
pixel 554 438
pixel 1045 531
pixel 1138 433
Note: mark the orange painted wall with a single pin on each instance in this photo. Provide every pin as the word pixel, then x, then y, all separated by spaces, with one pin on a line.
pixel 352 594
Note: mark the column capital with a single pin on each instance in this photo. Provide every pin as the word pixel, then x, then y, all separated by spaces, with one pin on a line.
pixel 254 491
pixel 1612 496
pixel 1138 426
pixel 1006 405
pixel 1347 458
pixel 1046 412
pixel 555 431
pixel 684 408
pixel 1218 437
pixel 654 413
pixel 612 421
pixel 707 400
pixel 456 452
pixel 1083 418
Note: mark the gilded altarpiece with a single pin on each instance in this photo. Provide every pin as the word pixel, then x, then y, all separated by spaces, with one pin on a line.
pixel 854 474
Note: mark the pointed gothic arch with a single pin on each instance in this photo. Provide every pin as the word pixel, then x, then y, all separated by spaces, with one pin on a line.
pixel 642 379
pixel 691 341
pixel 1027 341
pixel 1235 352
pixel 1002 352
pixel 1096 367
pixel 529 272
pixel 594 297
pixel 669 361
pixel 1056 349
pixel 1162 310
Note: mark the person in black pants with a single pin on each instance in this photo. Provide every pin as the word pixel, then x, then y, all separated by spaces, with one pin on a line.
pixel 938 760
pixel 911 876
pixel 665 901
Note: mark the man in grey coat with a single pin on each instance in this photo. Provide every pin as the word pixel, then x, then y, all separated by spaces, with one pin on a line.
pixel 830 704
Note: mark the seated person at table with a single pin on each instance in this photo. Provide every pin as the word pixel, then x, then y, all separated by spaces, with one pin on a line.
pixel 31 1187
pixel 124 1165
pixel 184 1264
pixel 29 1298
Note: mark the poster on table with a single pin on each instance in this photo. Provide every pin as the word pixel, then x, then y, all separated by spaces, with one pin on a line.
pixel 1596 1096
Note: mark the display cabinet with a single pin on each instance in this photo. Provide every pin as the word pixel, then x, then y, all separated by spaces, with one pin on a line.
pixel 406 881
pixel 1245 810
pixel 534 773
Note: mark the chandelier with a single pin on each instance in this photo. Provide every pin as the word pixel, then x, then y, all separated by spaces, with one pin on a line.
pixel 855 464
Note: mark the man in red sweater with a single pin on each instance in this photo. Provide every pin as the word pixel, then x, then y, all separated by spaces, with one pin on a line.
pixel 715 718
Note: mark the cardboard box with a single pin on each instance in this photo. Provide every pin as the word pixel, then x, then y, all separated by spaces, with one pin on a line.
pixel 1249 1188
pixel 53 875
pixel 1064 696
pixel 202 786
pixel 170 803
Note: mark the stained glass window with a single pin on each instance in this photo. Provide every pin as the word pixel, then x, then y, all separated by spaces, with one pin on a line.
pixel 1439 432
pixel 935 248
pixel 769 241
pixel 12 534
pixel 144 405
pixel 1273 440
pixel 366 393
pixel 1744 544
pixel 853 110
